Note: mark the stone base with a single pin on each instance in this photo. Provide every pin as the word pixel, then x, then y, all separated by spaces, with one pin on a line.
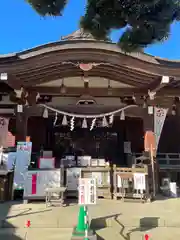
pixel 80 235
pixel 93 237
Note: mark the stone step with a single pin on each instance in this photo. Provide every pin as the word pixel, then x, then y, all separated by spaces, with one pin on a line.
pixel 40 234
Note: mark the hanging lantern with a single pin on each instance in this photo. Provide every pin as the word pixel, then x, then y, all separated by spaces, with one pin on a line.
pixel 104 122
pixel 45 113
pixel 84 123
pixel 19 108
pixel 64 121
pixel 86 66
pixel 63 89
pixel 144 104
pixel 110 90
pixel 150 110
pixel 122 116
pixel 173 112
pixel 3 76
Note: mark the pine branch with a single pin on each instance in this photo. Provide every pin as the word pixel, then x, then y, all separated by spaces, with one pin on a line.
pixel 48 7
pixel 146 21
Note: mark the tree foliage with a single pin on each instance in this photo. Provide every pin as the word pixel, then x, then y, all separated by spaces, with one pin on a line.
pixel 144 21
pixel 48 7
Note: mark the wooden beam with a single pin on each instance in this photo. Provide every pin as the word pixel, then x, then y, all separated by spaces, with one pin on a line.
pixel 104 73
pixel 116 92
pixel 54 75
pixel 76 91
pixel 168 91
pixel 91 53
pixel 116 73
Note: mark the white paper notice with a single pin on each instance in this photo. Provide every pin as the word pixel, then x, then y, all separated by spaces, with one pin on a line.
pixel 119 182
pixel 87 191
pixel 98 177
pixel 139 181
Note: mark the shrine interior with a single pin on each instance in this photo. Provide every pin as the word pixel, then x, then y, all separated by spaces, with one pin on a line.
pixel 101 142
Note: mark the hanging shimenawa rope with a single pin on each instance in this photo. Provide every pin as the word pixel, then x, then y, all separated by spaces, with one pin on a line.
pixel 87 116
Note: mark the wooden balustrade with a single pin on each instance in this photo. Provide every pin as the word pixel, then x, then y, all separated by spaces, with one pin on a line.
pixel 166 160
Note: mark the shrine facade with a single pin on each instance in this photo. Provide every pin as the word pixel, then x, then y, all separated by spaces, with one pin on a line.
pixel 79 77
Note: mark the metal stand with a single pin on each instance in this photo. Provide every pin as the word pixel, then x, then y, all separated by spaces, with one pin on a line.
pixel 153 172
pixel 49 195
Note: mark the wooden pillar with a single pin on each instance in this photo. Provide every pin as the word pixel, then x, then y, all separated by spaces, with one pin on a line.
pixel 148 118
pixel 21 126
pixel 22 113
pixel 32 98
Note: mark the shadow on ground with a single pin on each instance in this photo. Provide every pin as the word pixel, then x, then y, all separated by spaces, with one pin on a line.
pixel 99 237
pixel 103 222
pixel 9 233
pixel 145 224
pixel 8 230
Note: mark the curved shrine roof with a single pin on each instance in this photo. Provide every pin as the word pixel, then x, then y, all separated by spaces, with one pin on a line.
pixel 60 59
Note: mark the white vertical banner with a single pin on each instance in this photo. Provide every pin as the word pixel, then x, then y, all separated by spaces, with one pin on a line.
pixel 22 161
pixel 139 181
pixel 4 123
pixel 87 191
pixel 159 119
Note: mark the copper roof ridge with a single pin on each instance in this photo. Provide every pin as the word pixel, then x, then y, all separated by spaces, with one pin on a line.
pixel 7 55
pixel 137 55
pixel 79 34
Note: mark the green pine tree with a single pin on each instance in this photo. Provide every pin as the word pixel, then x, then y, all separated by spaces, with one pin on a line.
pixel 144 21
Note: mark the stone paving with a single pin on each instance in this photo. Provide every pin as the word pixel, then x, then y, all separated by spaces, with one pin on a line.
pixel 112 220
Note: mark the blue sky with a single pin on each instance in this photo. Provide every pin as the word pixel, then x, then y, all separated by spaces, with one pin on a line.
pixel 22 28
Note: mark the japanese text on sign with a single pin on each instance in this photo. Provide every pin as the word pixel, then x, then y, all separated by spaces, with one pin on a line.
pixel 87 191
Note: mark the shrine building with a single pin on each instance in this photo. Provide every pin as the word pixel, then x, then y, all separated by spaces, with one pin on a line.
pixel 87 94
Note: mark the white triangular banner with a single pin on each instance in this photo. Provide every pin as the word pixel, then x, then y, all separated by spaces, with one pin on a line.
pixel 159 119
pixel 84 123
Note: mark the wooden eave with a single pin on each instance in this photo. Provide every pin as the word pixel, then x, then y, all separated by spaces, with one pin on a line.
pixel 58 60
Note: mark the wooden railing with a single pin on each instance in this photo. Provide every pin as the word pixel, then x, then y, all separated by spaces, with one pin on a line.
pixel 167 160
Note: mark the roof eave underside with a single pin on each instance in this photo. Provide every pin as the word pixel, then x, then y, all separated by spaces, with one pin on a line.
pixel 52 55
